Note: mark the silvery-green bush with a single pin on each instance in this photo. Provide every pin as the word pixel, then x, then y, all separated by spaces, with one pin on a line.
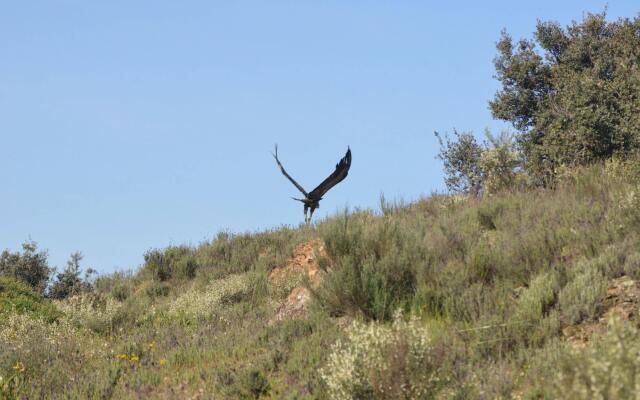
pixel 200 303
pixel 608 368
pixel 384 361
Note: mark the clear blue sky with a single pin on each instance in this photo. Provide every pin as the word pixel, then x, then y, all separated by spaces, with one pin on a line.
pixel 130 125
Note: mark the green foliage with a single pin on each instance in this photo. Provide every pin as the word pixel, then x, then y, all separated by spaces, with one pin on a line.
pixel 30 266
pixel 500 163
pixel 373 269
pixel 227 254
pixel 157 289
pixel 118 284
pixel 94 311
pixel 68 283
pixel 488 168
pixel 199 303
pixel 533 316
pixel 461 159
pixel 121 292
pixel 607 369
pixel 130 314
pixel 576 101
pixel 237 253
pixel 17 297
pixel 55 354
pixel 254 384
pixel 488 283
pixel 173 262
pixel 488 286
pixel 401 361
pixel 581 299
pixel 488 214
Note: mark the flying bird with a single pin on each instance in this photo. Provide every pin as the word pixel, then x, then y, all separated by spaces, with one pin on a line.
pixel 312 199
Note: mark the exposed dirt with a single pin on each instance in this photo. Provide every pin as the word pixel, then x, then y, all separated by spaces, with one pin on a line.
pixel 622 301
pixel 303 261
pixel 295 306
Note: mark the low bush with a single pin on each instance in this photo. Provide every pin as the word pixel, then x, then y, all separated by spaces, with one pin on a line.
pixel 173 262
pixel 91 310
pixel 377 361
pixel 118 284
pixel 229 254
pixel 33 350
pixel 608 368
pixel 18 297
pixel 581 299
pixel 253 384
pixel 155 289
pixel 200 303
pixel 373 267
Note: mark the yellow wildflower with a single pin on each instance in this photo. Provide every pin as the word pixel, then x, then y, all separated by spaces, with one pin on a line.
pixel 19 367
pixel 151 345
pixel 163 361
pixel 134 359
pixel 122 356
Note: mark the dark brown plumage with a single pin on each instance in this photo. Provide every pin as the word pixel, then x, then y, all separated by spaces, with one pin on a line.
pixel 312 199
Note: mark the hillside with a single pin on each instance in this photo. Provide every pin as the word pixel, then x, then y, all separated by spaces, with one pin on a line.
pixel 522 294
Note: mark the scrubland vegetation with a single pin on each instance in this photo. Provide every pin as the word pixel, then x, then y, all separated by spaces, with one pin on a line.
pixel 470 295
pixel 447 297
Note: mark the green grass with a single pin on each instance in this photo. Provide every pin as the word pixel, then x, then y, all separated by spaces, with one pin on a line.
pixel 485 287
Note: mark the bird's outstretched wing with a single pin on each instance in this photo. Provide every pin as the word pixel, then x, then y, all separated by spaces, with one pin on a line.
pixel 342 169
pixel 296 184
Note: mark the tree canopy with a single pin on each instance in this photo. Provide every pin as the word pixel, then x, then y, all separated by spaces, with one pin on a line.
pixel 30 266
pixel 573 94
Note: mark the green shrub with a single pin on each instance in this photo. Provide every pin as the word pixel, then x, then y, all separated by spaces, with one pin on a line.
pixel 397 361
pixel 18 297
pixel 533 318
pixel 568 91
pixel 131 313
pixel 172 262
pixel 581 299
pixel 231 254
pixel 608 368
pixel 68 283
pixel 121 292
pixel 253 384
pixel 202 302
pixel 30 266
pixel 48 356
pixel 501 165
pixel 94 311
pixel 185 268
pixel 157 289
pixel 488 168
pixel 372 272
pixel 118 284
pixel 461 159
pixel 156 265
pixel 631 266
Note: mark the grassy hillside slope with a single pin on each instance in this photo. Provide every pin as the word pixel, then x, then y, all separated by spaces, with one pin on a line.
pixel 529 294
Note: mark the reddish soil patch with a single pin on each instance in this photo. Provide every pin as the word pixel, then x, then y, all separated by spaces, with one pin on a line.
pixel 303 261
pixel 622 301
